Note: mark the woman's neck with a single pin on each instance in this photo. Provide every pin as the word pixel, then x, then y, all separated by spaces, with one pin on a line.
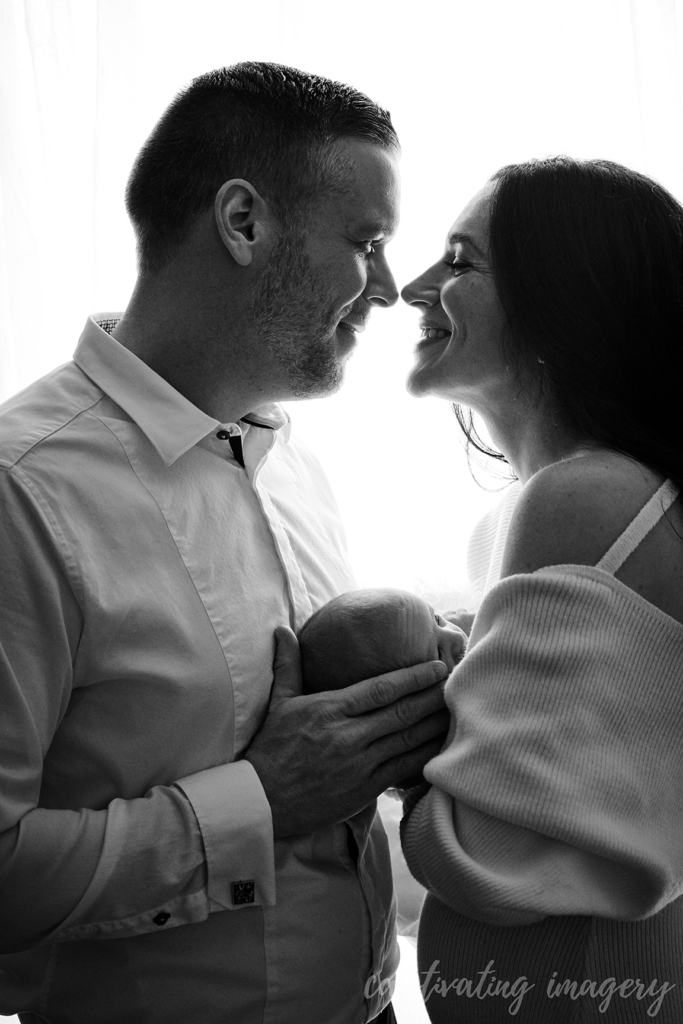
pixel 532 437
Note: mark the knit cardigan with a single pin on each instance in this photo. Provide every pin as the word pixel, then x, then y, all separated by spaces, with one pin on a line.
pixel 560 788
pixel 551 839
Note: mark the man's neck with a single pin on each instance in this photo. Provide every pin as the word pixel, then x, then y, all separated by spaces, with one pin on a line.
pixel 209 365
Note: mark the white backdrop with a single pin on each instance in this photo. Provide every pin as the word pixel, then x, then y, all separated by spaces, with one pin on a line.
pixel 471 84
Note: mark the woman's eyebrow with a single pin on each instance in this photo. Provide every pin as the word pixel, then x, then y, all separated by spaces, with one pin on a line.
pixel 458 236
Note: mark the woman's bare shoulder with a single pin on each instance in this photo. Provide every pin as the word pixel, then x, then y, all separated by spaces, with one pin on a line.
pixel 571 512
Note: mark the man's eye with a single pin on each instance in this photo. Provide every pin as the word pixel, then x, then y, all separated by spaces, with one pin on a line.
pixel 369 246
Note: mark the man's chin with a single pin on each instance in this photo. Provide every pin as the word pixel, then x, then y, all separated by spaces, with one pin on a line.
pixel 317 385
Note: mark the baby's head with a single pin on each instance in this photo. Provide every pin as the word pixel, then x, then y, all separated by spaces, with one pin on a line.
pixel 365 633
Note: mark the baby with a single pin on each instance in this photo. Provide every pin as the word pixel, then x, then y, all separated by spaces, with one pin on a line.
pixel 365 633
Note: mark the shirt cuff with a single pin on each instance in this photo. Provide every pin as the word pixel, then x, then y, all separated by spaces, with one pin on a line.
pixel 237 830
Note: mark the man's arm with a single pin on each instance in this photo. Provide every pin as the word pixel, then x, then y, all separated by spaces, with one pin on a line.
pixel 72 872
pixel 168 856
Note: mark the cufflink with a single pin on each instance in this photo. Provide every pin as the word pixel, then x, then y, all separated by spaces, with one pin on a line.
pixel 243 891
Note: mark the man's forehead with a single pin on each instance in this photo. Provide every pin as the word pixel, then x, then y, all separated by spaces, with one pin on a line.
pixel 369 198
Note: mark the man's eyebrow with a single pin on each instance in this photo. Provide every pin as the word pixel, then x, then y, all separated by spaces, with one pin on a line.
pixel 373 229
pixel 458 236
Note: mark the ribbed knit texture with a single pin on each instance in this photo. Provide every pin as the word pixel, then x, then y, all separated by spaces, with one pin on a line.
pixel 560 792
pixel 555 950
pixel 487 545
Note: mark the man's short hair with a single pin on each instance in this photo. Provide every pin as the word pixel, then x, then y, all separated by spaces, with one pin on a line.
pixel 269 124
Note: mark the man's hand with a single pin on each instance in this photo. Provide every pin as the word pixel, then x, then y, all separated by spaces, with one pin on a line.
pixel 323 757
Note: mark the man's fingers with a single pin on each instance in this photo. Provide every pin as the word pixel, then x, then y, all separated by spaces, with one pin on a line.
pixel 390 773
pixel 404 754
pixel 412 737
pixel 286 666
pixel 399 718
pixel 390 687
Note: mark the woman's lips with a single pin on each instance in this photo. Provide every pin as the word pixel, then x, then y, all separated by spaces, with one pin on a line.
pixel 432 336
pixel 434 333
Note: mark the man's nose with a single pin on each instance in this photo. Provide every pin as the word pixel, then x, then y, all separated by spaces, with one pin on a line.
pixel 381 289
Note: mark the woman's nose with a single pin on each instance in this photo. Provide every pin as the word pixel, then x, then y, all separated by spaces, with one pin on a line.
pixel 424 290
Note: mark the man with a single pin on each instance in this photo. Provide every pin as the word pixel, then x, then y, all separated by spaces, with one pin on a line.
pixel 177 844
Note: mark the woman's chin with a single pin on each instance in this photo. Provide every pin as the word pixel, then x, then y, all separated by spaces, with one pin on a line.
pixel 413 386
pixel 420 382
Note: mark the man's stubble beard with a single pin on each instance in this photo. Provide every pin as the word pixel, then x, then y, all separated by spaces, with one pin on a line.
pixel 294 324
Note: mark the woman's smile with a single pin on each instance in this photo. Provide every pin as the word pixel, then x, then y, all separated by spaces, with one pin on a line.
pixel 432 335
pixel 458 299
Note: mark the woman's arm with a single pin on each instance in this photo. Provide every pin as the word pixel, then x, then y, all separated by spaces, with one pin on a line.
pixel 551 797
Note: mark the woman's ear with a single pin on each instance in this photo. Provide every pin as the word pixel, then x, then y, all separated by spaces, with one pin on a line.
pixel 240 214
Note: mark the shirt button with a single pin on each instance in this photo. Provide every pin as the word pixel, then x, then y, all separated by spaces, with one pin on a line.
pixel 230 430
pixel 161 918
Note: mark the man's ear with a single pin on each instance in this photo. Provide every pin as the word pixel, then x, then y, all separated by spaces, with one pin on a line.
pixel 241 216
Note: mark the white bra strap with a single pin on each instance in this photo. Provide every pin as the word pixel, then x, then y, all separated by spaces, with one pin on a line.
pixel 638 529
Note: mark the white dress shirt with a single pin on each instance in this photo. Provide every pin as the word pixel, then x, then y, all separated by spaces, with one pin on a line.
pixel 143 571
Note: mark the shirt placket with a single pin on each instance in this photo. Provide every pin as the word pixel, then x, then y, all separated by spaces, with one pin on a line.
pixel 258 441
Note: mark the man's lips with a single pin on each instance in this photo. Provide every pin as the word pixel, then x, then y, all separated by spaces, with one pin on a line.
pixel 354 326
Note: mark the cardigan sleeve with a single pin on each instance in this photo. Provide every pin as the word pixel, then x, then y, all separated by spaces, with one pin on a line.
pixel 560 787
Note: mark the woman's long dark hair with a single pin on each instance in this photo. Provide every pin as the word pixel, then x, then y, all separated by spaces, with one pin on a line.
pixel 587 256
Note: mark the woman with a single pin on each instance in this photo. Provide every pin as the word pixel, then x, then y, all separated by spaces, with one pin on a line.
pixel 551 839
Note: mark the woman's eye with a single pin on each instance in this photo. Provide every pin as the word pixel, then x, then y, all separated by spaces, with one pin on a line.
pixel 458 266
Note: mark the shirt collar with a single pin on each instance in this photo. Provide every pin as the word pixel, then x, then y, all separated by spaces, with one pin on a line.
pixel 169 421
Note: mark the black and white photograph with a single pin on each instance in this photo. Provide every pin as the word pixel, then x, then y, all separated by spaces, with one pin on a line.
pixel 341 528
